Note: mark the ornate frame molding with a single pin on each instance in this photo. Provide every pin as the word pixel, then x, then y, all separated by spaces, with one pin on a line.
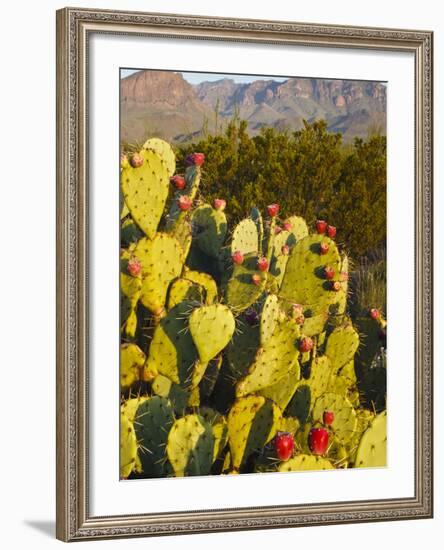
pixel 73 28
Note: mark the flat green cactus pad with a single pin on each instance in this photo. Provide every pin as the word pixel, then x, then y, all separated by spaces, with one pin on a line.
pixel 304 281
pixel 128 447
pixel 209 229
pixel 129 232
pixel 132 360
pixel 252 422
pixel 219 427
pixel 269 316
pixel 279 259
pixel 145 190
pixel 211 328
pixel 241 291
pixel 153 421
pixel 273 360
pixel 314 325
pixel 345 421
pixel 245 237
pixel 283 390
pixel 209 379
pixel 162 260
pixel 172 350
pixel 165 152
pixel 372 450
pixel 190 446
pixel 304 462
pixel 129 406
pixel 341 346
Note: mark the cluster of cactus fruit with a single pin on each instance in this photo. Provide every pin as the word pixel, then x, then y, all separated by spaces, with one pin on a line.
pixel 237 351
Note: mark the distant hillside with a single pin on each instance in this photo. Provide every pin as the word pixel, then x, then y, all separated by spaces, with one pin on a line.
pixel 164 104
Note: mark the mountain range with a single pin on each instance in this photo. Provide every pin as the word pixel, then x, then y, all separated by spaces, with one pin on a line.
pixel 164 104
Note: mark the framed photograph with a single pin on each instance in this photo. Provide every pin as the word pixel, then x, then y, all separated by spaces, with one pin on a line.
pixel 244 274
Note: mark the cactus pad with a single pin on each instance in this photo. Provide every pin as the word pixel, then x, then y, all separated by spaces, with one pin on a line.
pixel 269 316
pixel 341 346
pixel 242 349
pixel 178 396
pixel 219 427
pixel 372 450
pixel 131 288
pixel 162 260
pixel 211 328
pixel 190 446
pixel 184 290
pixel 145 190
pixel 241 291
pixel 298 227
pixel 345 421
pixel 209 229
pixel 305 462
pixel 273 360
pixel 204 280
pixel 132 360
pixel 252 422
pixel 164 151
pixel 128 447
pixel 304 282
pixel 153 421
pixel 245 237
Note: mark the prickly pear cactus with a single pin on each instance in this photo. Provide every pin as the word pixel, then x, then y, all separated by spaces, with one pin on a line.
pixel 235 332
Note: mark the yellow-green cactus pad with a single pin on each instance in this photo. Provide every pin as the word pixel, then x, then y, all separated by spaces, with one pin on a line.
pixel 304 462
pixel 211 328
pixel 341 346
pixel 241 290
pixel 190 446
pixel 204 280
pixel 145 190
pixel 177 395
pixel 345 421
pixel 220 429
pixel 209 229
pixel 372 450
pixel 269 316
pixel 131 289
pixel 165 152
pixel 252 422
pixel 304 282
pixel 245 237
pixel 132 360
pixel 162 260
pixel 184 290
pixel 274 360
pixel 128 447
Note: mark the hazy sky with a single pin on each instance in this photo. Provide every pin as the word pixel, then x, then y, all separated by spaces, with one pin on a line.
pixel 197 78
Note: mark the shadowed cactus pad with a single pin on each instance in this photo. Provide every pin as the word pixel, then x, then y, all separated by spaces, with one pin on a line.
pixel 145 190
pixel 154 418
pixel 342 345
pixel 209 229
pixel 190 446
pixel 211 328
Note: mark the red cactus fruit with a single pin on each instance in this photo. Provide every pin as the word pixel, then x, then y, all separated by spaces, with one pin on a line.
pixel 305 344
pixel 375 314
pixel 331 231
pixel 237 257
pixel 262 264
pixel 318 441
pixel 195 158
pixel 184 203
pixel 321 226
pixel 178 181
pixel 134 267
pixel 273 210
pixel 219 204
pixel 136 161
pixel 328 418
pixel 284 445
pixel 324 248
pixel 285 250
pixel 329 272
